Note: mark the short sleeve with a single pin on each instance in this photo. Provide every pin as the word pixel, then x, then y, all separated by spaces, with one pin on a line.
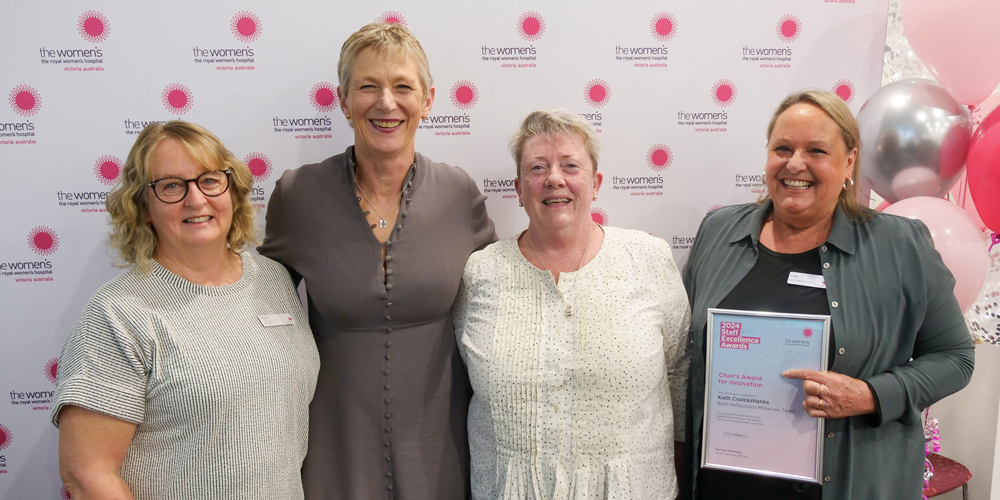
pixel 102 366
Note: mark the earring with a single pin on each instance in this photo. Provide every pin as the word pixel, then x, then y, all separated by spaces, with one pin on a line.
pixel 519 203
pixel 848 187
pixel 595 197
pixel 348 116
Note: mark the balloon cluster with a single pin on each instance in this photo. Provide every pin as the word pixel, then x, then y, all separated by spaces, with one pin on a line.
pixel 984 317
pixel 920 139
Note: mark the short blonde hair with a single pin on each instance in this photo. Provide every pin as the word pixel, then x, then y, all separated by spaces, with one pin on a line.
pixel 550 123
pixel 837 110
pixel 132 237
pixel 386 39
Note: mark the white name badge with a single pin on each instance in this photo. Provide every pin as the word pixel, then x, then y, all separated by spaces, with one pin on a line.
pixel 276 319
pixel 810 280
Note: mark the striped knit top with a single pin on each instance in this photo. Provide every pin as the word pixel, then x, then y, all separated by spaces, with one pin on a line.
pixel 220 400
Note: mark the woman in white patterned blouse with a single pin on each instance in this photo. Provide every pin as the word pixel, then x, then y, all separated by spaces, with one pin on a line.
pixel 575 337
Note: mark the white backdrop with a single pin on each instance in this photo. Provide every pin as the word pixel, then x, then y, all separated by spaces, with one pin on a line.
pixel 680 91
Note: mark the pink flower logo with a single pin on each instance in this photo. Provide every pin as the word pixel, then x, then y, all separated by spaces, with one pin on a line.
pixel 43 240
pixel 323 97
pixel 789 27
pixel 246 26
pixel 5 437
pixel 464 94
pixel 93 26
pixel 663 26
pixel 724 92
pixel 391 17
pixel 531 26
pixel 596 93
pixel 107 168
pixel 599 216
pixel 177 98
pixel 807 332
pixel 52 370
pixel 844 89
pixel 259 165
pixel 25 100
pixel 659 157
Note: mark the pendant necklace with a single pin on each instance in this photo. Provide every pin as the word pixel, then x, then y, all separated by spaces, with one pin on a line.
pixel 381 219
pixel 590 235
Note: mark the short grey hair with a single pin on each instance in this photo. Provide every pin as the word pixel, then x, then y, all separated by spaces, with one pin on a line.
pixel 550 123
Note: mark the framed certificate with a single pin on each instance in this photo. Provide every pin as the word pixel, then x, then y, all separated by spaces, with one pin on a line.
pixel 754 420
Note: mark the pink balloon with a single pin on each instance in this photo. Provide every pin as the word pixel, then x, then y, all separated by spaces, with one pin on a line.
pixel 956 238
pixel 958 41
pixel 984 170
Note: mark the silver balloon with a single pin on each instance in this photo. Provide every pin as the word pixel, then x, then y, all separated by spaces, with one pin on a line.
pixel 914 138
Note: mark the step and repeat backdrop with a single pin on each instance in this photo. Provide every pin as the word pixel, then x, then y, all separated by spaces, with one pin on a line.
pixel 681 93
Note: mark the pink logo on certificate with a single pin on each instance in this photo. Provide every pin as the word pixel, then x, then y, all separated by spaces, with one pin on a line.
pixel 730 336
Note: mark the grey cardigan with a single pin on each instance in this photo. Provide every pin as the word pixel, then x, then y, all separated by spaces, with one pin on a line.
pixel 890 300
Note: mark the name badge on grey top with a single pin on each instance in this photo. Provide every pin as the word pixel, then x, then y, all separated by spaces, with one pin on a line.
pixel 276 319
pixel 810 280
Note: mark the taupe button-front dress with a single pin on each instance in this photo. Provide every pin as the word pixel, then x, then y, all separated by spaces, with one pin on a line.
pixel 389 416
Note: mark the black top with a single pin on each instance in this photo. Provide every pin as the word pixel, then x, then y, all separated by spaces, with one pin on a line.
pixel 766 288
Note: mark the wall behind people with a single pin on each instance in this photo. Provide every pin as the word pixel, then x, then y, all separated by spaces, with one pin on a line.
pixel 680 92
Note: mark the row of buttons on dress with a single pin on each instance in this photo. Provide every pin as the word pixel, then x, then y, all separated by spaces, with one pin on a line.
pixel 388 343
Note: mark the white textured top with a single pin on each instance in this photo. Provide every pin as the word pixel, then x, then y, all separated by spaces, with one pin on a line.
pixel 580 406
pixel 221 401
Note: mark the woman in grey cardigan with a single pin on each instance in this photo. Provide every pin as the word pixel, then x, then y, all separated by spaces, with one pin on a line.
pixel 899 341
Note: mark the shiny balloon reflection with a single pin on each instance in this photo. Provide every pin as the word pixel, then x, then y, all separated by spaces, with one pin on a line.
pixel 914 138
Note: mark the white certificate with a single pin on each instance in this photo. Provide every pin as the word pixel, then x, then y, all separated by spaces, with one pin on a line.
pixel 754 420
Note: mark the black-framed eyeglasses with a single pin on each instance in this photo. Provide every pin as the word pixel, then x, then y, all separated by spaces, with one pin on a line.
pixel 174 189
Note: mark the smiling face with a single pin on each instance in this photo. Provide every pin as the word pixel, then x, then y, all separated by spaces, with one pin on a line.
pixel 385 102
pixel 556 182
pixel 197 222
pixel 807 165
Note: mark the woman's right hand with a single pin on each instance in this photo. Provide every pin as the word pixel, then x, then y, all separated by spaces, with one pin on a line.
pixel 92 447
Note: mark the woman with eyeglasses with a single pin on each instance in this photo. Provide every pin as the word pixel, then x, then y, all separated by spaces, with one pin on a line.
pixel 189 375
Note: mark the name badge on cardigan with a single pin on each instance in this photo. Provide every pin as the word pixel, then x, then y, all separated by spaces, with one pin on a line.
pixel 810 280
pixel 276 319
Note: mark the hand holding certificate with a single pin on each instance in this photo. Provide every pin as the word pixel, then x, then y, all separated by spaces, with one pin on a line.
pixel 755 421
pixel 832 395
